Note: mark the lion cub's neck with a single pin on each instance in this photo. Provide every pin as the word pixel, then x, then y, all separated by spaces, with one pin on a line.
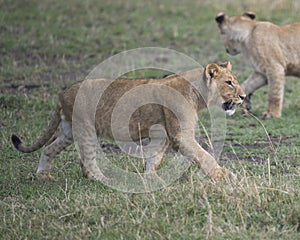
pixel 199 91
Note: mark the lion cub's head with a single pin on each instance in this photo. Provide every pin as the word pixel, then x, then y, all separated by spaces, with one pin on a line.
pixel 235 30
pixel 223 87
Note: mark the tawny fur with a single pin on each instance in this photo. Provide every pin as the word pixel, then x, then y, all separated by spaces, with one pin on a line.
pixel 217 86
pixel 272 50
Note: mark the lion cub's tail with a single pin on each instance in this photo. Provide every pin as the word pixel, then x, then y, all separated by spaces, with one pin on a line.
pixel 47 134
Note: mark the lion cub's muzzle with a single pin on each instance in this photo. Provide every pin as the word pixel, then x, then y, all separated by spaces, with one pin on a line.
pixel 230 106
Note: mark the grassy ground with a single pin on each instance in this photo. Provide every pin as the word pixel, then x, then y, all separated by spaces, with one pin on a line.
pixel 47 45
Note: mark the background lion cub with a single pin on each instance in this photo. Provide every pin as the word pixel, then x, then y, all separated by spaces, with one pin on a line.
pixel 273 51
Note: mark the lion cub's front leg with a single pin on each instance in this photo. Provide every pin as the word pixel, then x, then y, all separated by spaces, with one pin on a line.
pixel 191 149
pixel 250 85
pixel 155 150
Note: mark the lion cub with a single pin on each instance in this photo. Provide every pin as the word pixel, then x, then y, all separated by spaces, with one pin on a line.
pixel 188 93
pixel 272 50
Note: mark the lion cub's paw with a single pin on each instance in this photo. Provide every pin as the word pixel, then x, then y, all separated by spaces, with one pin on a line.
pixel 220 173
pixel 151 175
pixel 97 176
pixel 246 113
pixel 45 176
pixel 266 115
pixel 246 107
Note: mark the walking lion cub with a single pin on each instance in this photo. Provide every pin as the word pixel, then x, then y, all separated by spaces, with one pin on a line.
pixel 216 83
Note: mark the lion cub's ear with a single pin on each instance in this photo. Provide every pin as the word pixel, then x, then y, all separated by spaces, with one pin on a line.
pixel 211 71
pixel 250 15
pixel 227 65
pixel 220 17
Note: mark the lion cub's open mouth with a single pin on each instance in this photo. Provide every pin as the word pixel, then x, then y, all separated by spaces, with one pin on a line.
pixel 229 107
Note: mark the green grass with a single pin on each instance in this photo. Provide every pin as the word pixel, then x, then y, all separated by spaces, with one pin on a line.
pixel 47 45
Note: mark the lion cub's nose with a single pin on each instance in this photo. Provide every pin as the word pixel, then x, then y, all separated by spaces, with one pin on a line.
pixel 242 97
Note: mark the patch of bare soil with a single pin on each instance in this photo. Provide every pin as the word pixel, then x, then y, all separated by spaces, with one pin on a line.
pixel 40 81
pixel 233 157
pixel 271 141
pixel 276 140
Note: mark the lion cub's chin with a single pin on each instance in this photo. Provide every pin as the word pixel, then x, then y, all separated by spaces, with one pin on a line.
pixel 230 112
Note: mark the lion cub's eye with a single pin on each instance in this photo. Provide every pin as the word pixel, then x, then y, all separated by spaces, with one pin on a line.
pixel 229 83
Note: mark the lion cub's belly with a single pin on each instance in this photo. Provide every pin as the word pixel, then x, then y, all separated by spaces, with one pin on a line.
pixel 129 126
pixel 293 70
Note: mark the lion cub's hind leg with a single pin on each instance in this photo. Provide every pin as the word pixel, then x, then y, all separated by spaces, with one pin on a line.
pixel 276 92
pixel 90 156
pixel 63 140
